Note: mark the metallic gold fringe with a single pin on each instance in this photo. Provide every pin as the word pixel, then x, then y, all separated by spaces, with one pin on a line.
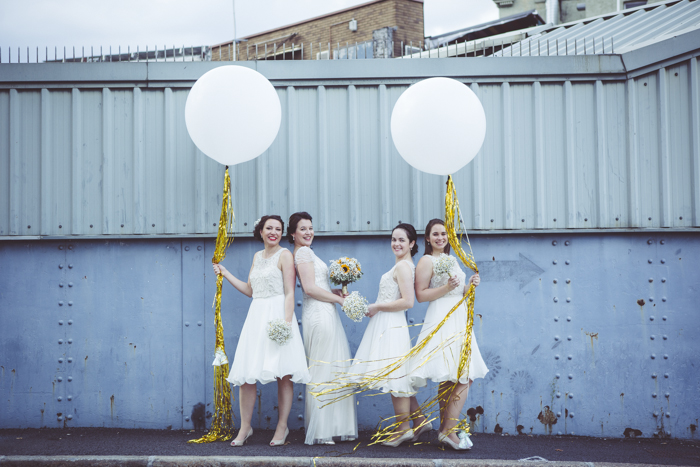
pixel 347 385
pixel 222 424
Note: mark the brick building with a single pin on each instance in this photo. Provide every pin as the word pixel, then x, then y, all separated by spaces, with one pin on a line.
pixel 370 30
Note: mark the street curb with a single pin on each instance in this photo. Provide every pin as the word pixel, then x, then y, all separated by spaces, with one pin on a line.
pixel 234 461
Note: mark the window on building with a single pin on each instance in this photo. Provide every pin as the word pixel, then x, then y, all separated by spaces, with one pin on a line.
pixel 634 3
pixel 360 50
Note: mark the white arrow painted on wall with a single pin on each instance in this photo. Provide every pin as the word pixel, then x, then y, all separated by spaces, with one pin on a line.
pixel 522 270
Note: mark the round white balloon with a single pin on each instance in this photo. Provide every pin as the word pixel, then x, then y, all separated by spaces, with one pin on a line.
pixel 438 125
pixel 233 114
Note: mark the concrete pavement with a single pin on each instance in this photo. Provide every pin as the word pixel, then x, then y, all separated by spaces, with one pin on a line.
pixel 125 447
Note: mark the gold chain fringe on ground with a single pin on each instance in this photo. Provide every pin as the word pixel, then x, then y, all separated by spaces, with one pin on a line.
pixel 348 385
pixel 222 424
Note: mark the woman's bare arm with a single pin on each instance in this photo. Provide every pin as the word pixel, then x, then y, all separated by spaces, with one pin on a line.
pixel 286 264
pixel 242 287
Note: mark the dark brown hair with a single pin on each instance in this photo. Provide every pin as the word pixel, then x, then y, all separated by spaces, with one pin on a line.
pixel 293 221
pixel 428 228
pixel 257 232
pixel 411 234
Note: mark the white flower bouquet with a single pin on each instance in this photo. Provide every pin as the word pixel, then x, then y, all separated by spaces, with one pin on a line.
pixel 279 331
pixel 355 306
pixel 344 271
pixel 444 265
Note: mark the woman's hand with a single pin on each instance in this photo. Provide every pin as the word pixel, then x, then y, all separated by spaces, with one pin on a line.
pixel 372 310
pixel 453 283
pixel 339 292
pixel 218 269
pixel 475 279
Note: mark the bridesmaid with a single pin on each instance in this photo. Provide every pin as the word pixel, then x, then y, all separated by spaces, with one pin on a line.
pixel 257 358
pixel 439 360
pixel 324 339
pixel 386 337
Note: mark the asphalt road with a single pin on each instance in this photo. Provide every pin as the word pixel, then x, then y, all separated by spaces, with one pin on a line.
pixel 125 442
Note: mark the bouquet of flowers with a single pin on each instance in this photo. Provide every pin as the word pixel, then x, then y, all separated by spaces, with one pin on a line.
pixel 355 306
pixel 344 271
pixel 444 265
pixel 279 331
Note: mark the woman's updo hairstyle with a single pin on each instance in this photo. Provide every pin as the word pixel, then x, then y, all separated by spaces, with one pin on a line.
pixel 411 234
pixel 257 231
pixel 428 230
pixel 293 221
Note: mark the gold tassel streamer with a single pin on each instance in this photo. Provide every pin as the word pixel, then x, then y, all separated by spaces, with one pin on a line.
pixel 349 385
pixel 222 424
pixel 453 221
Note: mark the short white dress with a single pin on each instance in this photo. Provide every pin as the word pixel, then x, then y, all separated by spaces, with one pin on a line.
pixel 329 355
pixel 439 360
pixel 385 340
pixel 257 358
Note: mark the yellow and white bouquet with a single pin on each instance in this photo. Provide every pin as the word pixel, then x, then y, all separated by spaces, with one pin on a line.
pixel 279 331
pixel 344 271
pixel 444 265
pixel 355 306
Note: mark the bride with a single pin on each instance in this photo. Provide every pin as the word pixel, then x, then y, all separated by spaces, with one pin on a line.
pixel 324 339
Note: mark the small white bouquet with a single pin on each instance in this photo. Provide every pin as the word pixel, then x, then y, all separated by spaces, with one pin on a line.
pixel 355 306
pixel 344 271
pixel 444 265
pixel 279 331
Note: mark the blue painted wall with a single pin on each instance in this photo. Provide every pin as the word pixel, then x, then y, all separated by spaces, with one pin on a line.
pixel 601 329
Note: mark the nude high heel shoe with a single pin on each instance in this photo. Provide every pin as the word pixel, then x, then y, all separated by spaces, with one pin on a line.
pixel 404 437
pixel 284 439
pixel 465 444
pixel 426 427
pixel 235 443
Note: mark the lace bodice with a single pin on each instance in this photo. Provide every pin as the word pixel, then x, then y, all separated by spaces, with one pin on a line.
pixel 306 255
pixel 389 287
pixel 439 281
pixel 265 277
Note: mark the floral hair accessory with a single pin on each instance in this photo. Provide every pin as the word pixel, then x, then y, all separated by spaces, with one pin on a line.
pixel 255 224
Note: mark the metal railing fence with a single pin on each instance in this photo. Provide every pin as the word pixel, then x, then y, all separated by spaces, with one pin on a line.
pixel 533 46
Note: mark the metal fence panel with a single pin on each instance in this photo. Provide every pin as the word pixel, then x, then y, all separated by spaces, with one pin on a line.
pixel 590 153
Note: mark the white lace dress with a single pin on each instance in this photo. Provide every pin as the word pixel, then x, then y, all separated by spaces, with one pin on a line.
pixel 386 339
pixel 329 354
pixel 257 357
pixel 439 360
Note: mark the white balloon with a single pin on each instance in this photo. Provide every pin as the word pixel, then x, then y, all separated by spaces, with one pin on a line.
pixel 438 125
pixel 233 114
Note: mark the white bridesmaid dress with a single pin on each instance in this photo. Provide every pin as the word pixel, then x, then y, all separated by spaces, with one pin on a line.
pixel 257 358
pixel 385 340
pixel 329 355
pixel 439 360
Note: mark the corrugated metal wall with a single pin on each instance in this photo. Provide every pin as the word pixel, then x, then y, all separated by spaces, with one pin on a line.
pixel 588 151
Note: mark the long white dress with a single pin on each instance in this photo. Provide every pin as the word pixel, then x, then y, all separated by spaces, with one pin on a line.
pixel 257 357
pixel 329 354
pixel 439 360
pixel 385 340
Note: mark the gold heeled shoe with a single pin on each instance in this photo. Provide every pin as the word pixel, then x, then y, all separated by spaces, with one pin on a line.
pixel 235 443
pixel 404 437
pixel 284 439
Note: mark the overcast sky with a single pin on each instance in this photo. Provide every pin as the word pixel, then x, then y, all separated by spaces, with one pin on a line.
pixel 59 23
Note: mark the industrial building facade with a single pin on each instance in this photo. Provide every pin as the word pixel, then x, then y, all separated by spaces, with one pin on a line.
pixel 375 29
